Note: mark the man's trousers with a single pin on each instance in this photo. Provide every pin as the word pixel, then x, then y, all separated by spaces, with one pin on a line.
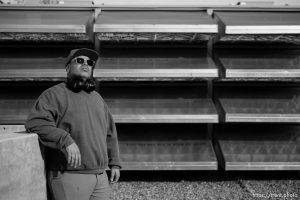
pixel 70 186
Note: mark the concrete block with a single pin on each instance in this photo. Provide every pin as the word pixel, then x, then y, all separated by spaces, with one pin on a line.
pixel 22 175
pixel 11 128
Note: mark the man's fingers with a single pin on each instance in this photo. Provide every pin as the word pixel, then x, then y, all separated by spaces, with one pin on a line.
pixel 77 157
pixel 79 160
pixel 75 160
pixel 112 175
pixel 69 157
pixel 74 157
pixel 115 175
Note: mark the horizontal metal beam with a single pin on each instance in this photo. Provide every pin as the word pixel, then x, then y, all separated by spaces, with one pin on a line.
pixel 250 117
pixel 32 28
pixel 262 73
pixel 236 166
pixel 146 118
pixel 156 73
pixel 266 29
pixel 228 4
pixel 169 165
pixel 155 28
pixel 113 74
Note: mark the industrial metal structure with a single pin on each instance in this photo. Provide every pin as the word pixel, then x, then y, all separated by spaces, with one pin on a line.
pixel 191 87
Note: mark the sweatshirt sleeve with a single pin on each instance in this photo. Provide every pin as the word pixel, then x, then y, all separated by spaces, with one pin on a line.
pixel 43 119
pixel 112 141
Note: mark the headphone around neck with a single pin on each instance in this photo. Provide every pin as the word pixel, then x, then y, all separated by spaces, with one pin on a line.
pixel 77 85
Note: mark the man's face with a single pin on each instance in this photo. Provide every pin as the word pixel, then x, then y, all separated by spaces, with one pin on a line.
pixel 77 68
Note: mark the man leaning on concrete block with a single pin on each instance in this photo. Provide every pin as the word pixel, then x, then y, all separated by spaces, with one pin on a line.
pixel 78 132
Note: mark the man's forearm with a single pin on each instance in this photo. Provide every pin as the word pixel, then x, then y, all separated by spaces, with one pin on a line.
pixel 52 137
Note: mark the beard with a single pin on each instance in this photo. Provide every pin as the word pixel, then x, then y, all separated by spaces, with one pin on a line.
pixel 77 83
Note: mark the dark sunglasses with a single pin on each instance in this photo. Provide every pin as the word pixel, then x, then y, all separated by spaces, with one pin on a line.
pixel 88 62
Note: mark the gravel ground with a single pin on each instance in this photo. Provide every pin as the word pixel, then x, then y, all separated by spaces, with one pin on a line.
pixel 207 185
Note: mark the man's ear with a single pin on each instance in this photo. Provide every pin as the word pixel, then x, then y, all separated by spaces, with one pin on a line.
pixel 68 67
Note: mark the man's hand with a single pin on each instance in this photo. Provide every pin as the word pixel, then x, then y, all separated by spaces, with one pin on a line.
pixel 114 174
pixel 74 157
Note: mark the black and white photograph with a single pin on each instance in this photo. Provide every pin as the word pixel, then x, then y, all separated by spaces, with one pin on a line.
pixel 149 100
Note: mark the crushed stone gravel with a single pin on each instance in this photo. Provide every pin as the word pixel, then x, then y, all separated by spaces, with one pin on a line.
pixel 206 185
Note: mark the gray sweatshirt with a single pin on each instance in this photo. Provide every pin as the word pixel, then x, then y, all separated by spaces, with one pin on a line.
pixel 61 117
